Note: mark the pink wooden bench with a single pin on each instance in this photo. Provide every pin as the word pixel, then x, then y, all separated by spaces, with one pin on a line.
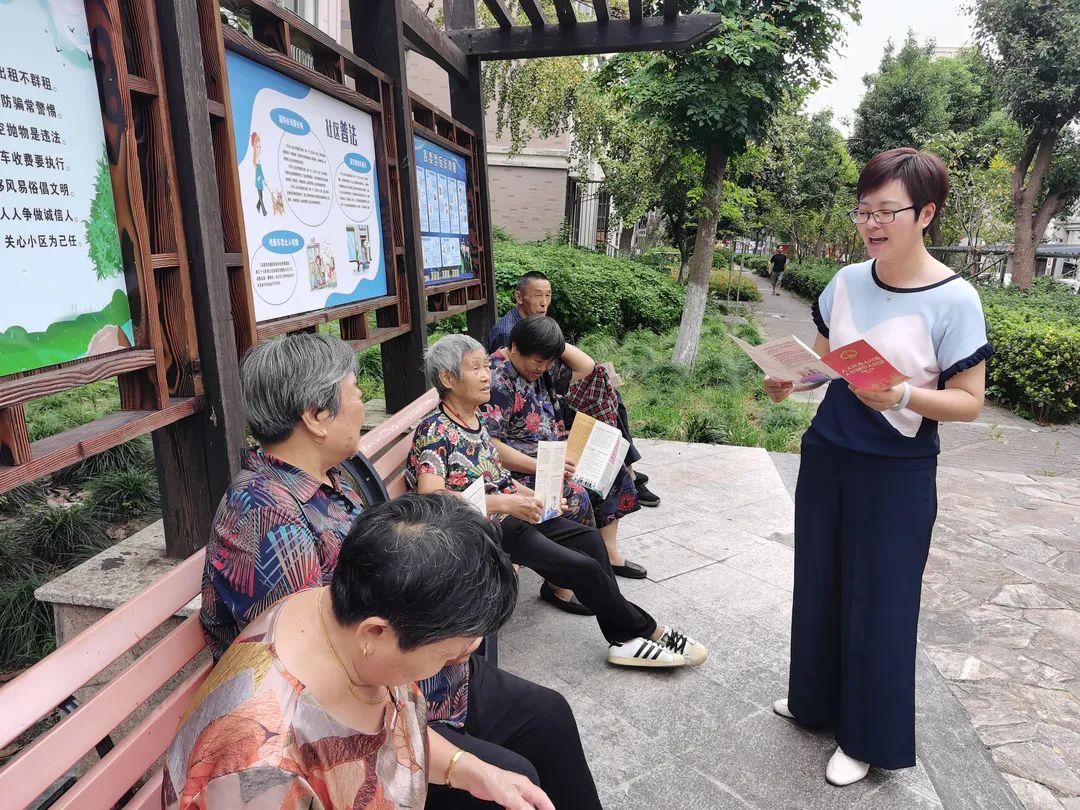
pixel 51 682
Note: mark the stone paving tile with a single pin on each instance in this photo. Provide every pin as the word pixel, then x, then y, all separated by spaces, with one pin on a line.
pixel 1000 623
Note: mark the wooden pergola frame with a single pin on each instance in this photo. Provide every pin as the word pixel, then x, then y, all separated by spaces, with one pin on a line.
pixel 168 126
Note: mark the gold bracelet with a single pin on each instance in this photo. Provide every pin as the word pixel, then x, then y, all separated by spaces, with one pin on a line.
pixel 453 761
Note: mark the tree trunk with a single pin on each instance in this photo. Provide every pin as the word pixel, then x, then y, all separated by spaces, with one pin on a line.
pixel 1026 191
pixel 697 292
pixel 684 271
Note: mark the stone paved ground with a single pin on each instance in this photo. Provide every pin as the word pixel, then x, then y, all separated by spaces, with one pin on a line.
pixel 1001 597
pixel 719 553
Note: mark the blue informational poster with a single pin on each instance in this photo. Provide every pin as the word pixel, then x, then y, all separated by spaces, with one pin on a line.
pixel 441 180
pixel 310 193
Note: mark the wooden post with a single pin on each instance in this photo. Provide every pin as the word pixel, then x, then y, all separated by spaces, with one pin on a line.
pixel 379 38
pixel 197 457
pixel 467 106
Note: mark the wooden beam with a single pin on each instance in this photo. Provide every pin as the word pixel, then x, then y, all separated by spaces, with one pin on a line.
pixel 197 457
pixel 635 11
pixel 528 42
pixel 428 40
pixel 378 37
pixel 564 10
pixel 498 10
pixel 601 9
pixel 533 12
pixel 671 8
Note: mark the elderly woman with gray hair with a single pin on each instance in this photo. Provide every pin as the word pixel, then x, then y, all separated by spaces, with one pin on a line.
pixel 452 449
pixel 279 531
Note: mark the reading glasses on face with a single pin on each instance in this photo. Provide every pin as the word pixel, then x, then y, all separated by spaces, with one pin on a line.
pixel 882 217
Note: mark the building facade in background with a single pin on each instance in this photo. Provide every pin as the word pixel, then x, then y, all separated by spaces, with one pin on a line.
pixel 534 195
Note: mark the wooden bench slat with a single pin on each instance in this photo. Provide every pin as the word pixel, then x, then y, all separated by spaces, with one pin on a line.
pixel 43 687
pixel 149 795
pixel 396 486
pixel 401 422
pixel 113 775
pixel 51 755
pixel 394 458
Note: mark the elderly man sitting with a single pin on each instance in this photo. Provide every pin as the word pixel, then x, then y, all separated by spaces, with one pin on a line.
pixel 279 530
pixel 532 296
pixel 452 449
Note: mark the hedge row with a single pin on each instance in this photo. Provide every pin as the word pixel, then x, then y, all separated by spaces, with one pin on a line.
pixel 735 286
pixel 1036 371
pixel 807 277
pixel 592 292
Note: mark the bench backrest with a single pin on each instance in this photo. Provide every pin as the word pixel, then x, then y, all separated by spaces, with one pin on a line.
pixel 36 692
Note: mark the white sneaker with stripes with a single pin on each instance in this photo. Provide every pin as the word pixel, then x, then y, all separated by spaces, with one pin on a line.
pixel 693 651
pixel 641 652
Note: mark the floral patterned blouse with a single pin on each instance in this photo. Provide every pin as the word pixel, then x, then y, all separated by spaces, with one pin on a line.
pixel 255 738
pixel 456 454
pixel 523 413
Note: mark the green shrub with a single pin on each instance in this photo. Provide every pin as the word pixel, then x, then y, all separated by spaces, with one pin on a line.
pixel 735 286
pixel 720 401
pixel 27 623
pixel 1036 370
pixel 119 494
pixel 659 257
pixel 810 277
pixel 721 258
pixel 754 263
pixel 61 535
pixel 592 292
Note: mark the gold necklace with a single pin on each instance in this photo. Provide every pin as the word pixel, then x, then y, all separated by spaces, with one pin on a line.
pixel 344 671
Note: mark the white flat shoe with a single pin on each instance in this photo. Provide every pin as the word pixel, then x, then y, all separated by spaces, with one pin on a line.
pixel 781 708
pixel 843 770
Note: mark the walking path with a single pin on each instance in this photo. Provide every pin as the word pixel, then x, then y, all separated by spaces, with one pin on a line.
pixel 1001 596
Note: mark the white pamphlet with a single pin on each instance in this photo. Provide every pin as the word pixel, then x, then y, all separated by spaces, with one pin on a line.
pixel 550 467
pixel 475 494
pixel 598 451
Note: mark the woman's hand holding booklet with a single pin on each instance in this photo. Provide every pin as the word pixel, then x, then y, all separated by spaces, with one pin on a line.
pixel 788 360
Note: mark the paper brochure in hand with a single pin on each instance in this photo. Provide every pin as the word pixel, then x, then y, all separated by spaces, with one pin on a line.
pixel 859 363
pixel 550 467
pixel 598 451
pixel 475 494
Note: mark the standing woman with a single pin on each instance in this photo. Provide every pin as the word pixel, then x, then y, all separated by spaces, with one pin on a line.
pixel 866 499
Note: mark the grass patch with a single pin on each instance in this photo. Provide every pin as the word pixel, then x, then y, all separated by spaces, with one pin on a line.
pixel 720 402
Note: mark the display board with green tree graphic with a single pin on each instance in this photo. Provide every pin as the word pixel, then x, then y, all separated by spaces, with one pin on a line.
pixel 65 294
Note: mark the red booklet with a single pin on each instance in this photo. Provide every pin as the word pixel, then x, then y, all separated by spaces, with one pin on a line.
pixel 863 366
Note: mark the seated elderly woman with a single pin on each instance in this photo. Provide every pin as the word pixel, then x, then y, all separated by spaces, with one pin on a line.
pixel 528 382
pixel 279 530
pixel 315 704
pixel 452 449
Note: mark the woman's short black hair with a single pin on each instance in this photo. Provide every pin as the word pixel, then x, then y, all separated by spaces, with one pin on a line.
pixel 538 336
pixel 431 565
pixel 923 174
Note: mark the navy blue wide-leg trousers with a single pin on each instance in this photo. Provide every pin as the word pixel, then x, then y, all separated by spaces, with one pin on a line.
pixel 862 536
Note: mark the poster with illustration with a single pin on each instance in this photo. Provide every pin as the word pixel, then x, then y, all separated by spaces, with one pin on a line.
pixel 309 191
pixel 61 271
pixel 441 180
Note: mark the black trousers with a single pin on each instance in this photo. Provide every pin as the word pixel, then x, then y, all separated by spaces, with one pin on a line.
pixel 519 726
pixel 632 455
pixel 862 536
pixel 573 556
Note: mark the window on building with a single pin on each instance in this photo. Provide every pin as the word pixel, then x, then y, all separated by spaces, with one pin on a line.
pixel 573 208
pixel 308 9
pixel 603 214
